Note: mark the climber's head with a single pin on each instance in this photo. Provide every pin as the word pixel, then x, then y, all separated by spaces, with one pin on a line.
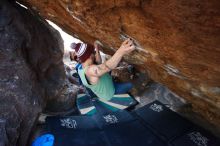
pixel 83 51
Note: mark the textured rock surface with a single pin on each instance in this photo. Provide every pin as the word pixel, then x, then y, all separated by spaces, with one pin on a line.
pixel 178 40
pixel 31 72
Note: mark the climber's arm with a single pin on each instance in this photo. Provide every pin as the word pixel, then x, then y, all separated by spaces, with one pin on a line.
pixel 98 70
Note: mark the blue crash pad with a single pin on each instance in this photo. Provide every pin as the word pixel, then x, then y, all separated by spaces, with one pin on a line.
pixel 76 130
pixel 161 120
pixel 151 125
pixel 196 136
pixel 44 140
pixel 111 129
pixel 173 128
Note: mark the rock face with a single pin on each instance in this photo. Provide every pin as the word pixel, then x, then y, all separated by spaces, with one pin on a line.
pixel 177 40
pixel 32 75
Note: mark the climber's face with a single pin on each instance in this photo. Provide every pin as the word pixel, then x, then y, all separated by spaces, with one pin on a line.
pixel 72 56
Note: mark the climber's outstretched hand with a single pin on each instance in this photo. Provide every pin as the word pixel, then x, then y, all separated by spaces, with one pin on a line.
pixel 127 46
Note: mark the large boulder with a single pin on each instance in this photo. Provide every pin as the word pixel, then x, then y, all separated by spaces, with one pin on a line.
pixel 32 77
